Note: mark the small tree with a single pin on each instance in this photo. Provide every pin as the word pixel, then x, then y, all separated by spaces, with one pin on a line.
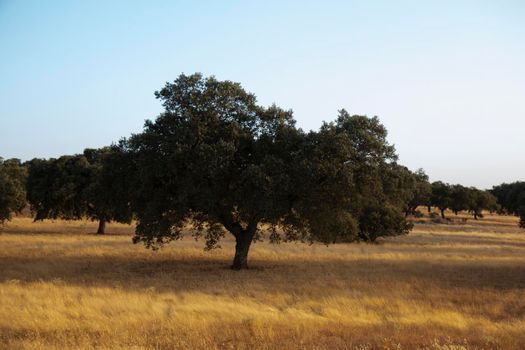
pixel 481 200
pixel 382 220
pixel 12 188
pixel 420 193
pixel 460 198
pixel 441 196
pixel 217 159
pixel 511 198
pixel 108 195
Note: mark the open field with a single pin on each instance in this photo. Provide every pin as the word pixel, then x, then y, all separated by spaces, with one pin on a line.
pixel 444 286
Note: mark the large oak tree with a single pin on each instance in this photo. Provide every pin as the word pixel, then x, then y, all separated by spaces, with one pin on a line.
pixel 218 160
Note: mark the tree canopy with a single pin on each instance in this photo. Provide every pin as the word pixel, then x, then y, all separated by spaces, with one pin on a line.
pixel 217 159
pixel 511 197
pixel 420 193
pixel 481 200
pixel 441 196
pixel 460 198
pixel 12 188
pixel 90 185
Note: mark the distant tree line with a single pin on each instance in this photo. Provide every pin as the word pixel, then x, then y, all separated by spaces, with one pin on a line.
pixel 218 160
pixel 460 198
pixel 443 196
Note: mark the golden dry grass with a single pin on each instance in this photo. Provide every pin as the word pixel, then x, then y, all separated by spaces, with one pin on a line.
pixel 446 286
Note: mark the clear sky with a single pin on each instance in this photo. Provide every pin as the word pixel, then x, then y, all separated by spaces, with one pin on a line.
pixel 447 78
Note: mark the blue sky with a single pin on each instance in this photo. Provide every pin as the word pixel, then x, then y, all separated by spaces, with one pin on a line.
pixel 447 78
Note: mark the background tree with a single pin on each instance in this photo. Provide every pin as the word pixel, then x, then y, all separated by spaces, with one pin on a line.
pixel 217 159
pixel 511 198
pixel 55 187
pixel 107 196
pixel 420 193
pixel 461 198
pixel 441 196
pixel 92 185
pixel 12 188
pixel 481 200
pixel 381 187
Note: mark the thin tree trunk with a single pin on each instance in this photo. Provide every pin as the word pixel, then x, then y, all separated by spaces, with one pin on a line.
pixel 101 227
pixel 442 213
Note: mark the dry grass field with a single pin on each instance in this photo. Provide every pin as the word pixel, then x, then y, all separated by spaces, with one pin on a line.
pixel 459 285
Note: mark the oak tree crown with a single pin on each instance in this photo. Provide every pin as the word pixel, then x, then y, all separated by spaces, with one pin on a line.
pixel 219 160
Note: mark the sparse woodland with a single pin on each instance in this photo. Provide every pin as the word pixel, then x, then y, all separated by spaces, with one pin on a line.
pixel 217 160
pixel 218 167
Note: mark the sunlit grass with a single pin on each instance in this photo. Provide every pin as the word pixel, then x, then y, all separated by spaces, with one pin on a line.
pixel 449 286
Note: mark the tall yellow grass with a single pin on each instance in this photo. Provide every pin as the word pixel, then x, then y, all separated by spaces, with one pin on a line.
pixel 444 286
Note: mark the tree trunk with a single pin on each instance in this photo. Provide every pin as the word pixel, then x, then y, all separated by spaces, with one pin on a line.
pixel 101 227
pixel 442 213
pixel 243 237
pixel 429 208
pixel 243 240
pixel 242 246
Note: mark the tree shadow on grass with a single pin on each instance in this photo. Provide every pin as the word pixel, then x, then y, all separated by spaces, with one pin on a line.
pixel 200 274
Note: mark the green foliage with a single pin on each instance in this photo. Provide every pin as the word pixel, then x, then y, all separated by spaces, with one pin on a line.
pixel 441 196
pixel 481 200
pixel 511 198
pixel 420 191
pixel 12 188
pixel 55 187
pixel 461 198
pixel 217 159
pixel 214 157
pixel 92 185
pixel 382 220
pixel 108 194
